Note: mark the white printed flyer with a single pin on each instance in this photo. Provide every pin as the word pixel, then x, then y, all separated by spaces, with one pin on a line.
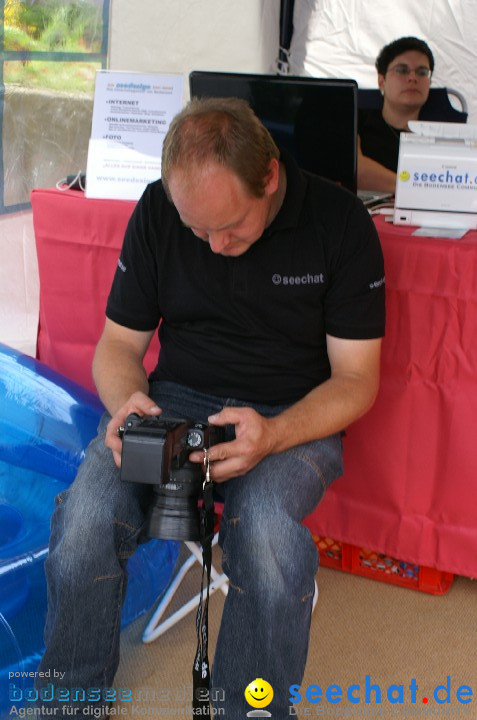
pixel 131 115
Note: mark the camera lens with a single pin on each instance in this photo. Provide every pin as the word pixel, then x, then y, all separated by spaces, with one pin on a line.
pixel 170 520
pixel 174 514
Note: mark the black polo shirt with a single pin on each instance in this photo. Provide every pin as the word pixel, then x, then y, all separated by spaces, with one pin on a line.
pixel 253 327
pixel 379 141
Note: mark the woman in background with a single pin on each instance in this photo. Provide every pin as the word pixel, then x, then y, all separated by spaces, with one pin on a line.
pixel 404 76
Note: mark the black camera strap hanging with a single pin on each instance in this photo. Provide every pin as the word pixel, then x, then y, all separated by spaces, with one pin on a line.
pixel 201 669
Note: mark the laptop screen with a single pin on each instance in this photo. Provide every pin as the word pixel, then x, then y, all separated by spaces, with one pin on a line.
pixel 315 119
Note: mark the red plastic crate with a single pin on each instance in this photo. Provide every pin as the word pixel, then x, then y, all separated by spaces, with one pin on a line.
pixel 378 566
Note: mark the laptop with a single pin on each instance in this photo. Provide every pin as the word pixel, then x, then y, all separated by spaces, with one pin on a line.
pixel 370 198
pixel 291 108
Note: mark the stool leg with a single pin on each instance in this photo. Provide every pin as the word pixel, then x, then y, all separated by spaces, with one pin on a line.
pixel 315 598
pixel 154 629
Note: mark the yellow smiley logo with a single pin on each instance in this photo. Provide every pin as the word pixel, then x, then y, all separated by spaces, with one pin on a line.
pixel 404 175
pixel 259 693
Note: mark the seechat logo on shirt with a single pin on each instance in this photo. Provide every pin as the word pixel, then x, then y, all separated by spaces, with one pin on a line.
pixel 308 279
pixel 377 283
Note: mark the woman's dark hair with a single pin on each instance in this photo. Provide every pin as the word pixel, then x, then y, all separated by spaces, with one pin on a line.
pixel 397 47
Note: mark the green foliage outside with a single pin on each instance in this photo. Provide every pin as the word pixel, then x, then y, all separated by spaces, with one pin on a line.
pixel 48 26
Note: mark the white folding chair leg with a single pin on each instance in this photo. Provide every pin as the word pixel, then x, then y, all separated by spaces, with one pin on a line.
pixel 315 598
pixel 154 627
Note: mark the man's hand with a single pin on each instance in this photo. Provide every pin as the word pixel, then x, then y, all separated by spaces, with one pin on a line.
pixel 138 403
pixel 325 410
pixel 254 439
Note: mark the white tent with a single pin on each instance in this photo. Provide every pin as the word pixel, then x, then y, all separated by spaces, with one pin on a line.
pixel 342 39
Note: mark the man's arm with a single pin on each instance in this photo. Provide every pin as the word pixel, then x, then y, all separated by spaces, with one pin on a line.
pixel 120 377
pixel 374 176
pixel 329 408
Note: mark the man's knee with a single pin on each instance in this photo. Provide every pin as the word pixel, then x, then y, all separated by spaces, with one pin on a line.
pixel 96 518
pixel 268 552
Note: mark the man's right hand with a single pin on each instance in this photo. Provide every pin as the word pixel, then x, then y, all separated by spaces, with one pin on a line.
pixel 121 379
pixel 138 403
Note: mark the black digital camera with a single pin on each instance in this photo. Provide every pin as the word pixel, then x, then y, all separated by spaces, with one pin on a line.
pixel 156 451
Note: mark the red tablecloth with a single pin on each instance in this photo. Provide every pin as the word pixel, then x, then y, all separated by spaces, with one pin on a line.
pixel 410 486
pixel 78 242
pixel 410 482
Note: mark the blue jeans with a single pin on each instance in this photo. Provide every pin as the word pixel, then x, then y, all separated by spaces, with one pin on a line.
pixel 269 556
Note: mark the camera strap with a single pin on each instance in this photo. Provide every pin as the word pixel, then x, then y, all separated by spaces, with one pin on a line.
pixel 201 669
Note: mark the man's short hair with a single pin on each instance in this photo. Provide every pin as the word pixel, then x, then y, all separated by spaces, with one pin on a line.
pixel 225 131
pixel 399 46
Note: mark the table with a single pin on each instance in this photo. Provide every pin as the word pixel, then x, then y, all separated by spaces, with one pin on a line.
pixel 410 487
pixel 410 482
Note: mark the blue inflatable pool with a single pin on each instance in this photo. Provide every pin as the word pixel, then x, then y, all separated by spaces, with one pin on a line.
pixel 46 421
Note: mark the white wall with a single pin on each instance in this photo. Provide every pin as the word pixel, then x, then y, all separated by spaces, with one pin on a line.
pixel 177 36
pixel 19 285
pixel 342 39
pixel 35 154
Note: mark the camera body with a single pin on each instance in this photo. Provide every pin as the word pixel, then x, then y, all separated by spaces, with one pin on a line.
pixel 156 451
